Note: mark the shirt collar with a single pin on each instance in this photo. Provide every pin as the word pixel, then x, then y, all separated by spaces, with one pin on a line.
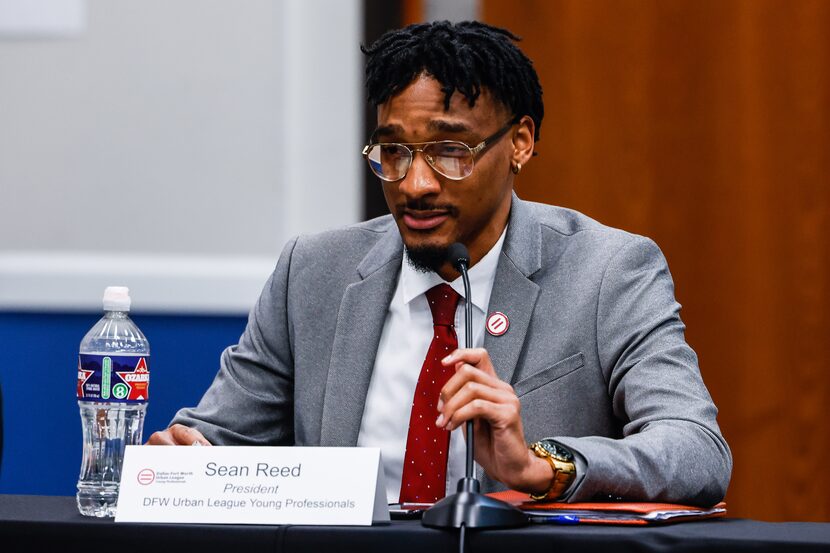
pixel 415 283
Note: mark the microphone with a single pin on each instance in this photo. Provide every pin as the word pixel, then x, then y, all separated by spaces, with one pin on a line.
pixel 458 255
pixel 469 508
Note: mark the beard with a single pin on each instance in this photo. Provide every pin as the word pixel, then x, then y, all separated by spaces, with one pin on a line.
pixel 426 259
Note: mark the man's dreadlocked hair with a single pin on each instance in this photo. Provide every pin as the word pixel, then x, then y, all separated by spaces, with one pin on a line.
pixel 466 57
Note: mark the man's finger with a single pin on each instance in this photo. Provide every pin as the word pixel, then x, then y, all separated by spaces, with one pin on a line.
pixel 468 373
pixel 468 393
pixel 189 436
pixel 178 434
pixel 478 357
pixel 478 409
pixel 162 437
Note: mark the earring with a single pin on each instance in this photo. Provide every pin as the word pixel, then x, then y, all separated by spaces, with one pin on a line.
pixel 516 168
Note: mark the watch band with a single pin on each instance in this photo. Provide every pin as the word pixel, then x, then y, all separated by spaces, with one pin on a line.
pixel 561 461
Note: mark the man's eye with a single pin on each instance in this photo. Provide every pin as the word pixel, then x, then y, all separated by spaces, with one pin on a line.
pixel 452 150
pixel 391 150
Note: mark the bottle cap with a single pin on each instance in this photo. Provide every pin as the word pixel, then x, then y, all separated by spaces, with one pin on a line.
pixel 117 298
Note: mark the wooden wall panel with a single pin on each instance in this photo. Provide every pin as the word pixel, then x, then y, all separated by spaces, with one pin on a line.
pixel 705 124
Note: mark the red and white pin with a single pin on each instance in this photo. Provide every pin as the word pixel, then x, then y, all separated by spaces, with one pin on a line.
pixel 497 323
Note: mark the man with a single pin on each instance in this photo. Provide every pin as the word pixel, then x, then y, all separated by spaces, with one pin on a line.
pixel 354 342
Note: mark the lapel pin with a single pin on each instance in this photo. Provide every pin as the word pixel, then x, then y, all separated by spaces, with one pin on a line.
pixel 497 323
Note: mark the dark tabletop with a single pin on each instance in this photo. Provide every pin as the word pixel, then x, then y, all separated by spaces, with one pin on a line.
pixel 44 523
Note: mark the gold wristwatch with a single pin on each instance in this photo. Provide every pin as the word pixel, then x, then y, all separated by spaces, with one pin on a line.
pixel 561 461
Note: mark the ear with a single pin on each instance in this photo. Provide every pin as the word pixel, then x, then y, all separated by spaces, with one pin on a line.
pixel 523 140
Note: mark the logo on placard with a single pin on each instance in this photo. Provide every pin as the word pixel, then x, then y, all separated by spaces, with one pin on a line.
pixel 497 323
pixel 146 477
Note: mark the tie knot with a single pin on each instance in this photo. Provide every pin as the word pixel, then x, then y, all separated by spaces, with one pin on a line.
pixel 442 302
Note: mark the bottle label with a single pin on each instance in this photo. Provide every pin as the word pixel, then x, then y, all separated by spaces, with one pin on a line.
pixel 117 378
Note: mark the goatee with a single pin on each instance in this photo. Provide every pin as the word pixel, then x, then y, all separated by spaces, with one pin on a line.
pixel 426 259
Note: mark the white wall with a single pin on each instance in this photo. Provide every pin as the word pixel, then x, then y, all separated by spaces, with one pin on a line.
pixel 173 146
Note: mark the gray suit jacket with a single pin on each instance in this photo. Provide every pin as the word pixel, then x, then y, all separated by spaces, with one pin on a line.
pixel 595 351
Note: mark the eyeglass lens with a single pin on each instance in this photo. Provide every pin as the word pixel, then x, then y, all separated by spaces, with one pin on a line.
pixel 453 160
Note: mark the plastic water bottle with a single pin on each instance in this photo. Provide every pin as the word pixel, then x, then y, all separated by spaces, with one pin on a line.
pixel 113 381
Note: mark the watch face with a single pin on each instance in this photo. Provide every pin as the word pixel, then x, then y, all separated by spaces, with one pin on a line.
pixel 557 450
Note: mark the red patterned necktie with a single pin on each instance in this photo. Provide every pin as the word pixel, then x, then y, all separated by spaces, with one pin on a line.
pixel 425 463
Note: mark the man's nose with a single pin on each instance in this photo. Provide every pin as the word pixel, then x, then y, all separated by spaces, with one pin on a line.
pixel 420 180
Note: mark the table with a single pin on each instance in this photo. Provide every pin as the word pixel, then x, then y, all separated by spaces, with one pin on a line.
pixel 46 523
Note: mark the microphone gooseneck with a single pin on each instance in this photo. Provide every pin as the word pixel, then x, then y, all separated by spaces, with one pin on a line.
pixel 468 508
pixel 458 255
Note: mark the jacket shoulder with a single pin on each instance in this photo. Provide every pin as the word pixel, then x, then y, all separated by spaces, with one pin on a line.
pixel 569 222
pixel 342 249
pixel 575 238
pixel 356 236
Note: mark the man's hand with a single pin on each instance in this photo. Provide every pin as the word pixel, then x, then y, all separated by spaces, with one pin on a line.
pixel 178 434
pixel 475 392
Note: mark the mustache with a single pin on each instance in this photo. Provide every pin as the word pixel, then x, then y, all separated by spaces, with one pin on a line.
pixel 422 204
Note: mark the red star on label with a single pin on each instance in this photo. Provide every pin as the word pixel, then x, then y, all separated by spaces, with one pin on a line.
pixel 83 376
pixel 138 380
pixel 497 323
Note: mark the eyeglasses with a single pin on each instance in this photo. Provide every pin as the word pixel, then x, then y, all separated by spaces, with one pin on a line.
pixel 455 160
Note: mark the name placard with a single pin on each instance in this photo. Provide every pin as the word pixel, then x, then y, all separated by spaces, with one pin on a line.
pixel 252 485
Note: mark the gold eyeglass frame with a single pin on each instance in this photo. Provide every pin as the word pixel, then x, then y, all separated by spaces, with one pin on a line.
pixel 413 147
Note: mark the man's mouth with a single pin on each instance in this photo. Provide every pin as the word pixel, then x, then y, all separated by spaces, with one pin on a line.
pixel 424 219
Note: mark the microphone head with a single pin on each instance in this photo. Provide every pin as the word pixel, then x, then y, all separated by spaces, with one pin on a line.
pixel 458 255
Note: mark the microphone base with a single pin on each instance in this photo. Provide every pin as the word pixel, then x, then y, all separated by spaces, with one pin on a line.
pixel 472 509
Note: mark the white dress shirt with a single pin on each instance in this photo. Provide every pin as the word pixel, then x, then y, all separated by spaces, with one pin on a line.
pixel 407 333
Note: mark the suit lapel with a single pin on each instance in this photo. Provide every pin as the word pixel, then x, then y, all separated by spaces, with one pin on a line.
pixel 514 294
pixel 360 322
